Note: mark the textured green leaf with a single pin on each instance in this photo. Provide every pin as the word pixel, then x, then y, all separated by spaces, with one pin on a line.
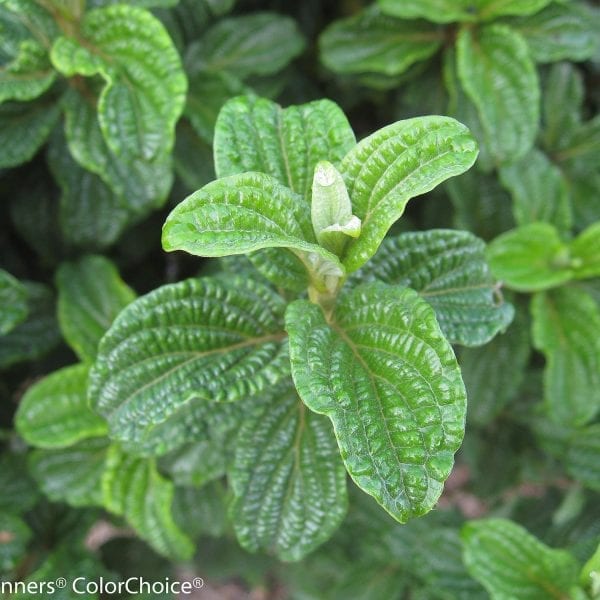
pixel 72 475
pixel 54 412
pixel 498 75
pixel 14 535
pixel 145 84
pixel 585 252
pixel 566 322
pixel 384 374
pixel 35 336
pixel 133 488
pixel 243 45
pixel 13 302
pixel 539 191
pixel 530 258
pixel 201 511
pixel 288 480
pixel 448 269
pixel 582 459
pixel 388 168
pixel 205 339
pixel 511 563
pixel 90 295
pixel 370 42
pixel 284 269
pixel 24 128
pixel 198 463
pixel 563 31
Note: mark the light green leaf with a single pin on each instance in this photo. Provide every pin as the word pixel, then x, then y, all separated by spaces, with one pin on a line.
pixel 582 459
pixel 243 45
pixel 14 535
pixel 185 344
pixel 288 480
pixel 145 84
pixel 449 270
pixel 24 127
pixel 539 191
pixel 490 9
pixel 563 31
pixel 498 75
pixel 90 295
pixel 566 322
pixel 382 371
pixel 54 412
pixel 143 3
pixel 511 563
pixel 388 168
pixel 585 252
pixel 370 42
pixel 530 258
pixel 13 302
pixel 132 487
pixel 72 475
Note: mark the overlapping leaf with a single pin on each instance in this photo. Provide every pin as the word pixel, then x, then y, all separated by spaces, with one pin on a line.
pixel 382 371
pixel 13 302
pixel 585 252
pixel 583 456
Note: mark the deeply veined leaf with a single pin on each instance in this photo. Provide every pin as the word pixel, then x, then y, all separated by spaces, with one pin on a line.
pixel 14 535
pixel 566 322
pixel 145 84
pixel 243 45
pixel 24 127
pixel 288 480
pixel 582 459
pixel 54 412
pixel 243 213
pixel 400 161
pixel 449 270
pixel 13 302
pixel 498 75
pixel 585 252
pixel 370 42
pixel 90 295
pixel 562 31
pixel 382 371
pixel 539 191
pixel 73 474
pixel 530 258
pixel 511 563
pixel 204 340
pixel 132 487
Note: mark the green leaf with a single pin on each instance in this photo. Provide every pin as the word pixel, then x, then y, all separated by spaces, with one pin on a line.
pixel 498 75
pixel 133 488
pixel 243 45
pixel 13 302
pixel 563 31
pixel 14 535
pixel 449 270
pixel 400 161
pixel 54 412
pixel 370 42
pixel 582 458
pixel 24 127
pixel 382 371
pixel 186 344
pixel 511 563
pixel 530 258
pixel 566 322
pixel 19 491
pixel 539 191
pixel 288 480
pixel 90 295
pixel 490 9
pixel 145 84
pixel 585 252
pixel 72 475
pixel 201 511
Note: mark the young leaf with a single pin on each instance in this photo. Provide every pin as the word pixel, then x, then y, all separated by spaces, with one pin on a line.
pixel 54 412
pixel 207 339
pixel 585 250
pixel 145 84
pixel 582 459
pixel 498 75
pixel 133 487
pixel 511 563
pixel 530 258
pixel 288 480
pixel 449 270
pixel 13 302
pixel 566 322
pixel 384 374
pixel 90 295
pixel 370 42
pixel 400 161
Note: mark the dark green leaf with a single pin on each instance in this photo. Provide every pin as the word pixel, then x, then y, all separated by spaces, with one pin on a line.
pixel 582 459
pixel 13 302
pixel 14 535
